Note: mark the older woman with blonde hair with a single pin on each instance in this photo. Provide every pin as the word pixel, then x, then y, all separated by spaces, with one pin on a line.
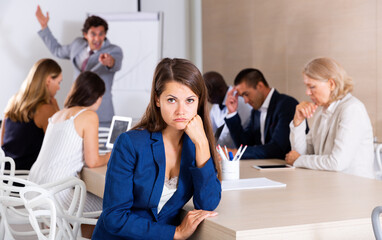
pixel 341 136
pixel 27 113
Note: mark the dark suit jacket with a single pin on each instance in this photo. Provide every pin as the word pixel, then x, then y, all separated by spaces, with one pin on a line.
pixel 279 115
pixel 106 110
pixel 134 182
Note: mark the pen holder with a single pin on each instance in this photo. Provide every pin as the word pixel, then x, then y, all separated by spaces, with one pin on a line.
pixel 230 170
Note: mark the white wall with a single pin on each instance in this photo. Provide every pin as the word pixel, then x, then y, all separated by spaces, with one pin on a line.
pixel 175 26
pixel 21 47
pixel 182 28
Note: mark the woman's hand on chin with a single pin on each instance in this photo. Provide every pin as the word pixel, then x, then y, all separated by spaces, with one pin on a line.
pixel 195 131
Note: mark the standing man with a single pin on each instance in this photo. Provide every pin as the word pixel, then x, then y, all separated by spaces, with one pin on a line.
pixel 217 94
pixel 267 134
pixel 92 52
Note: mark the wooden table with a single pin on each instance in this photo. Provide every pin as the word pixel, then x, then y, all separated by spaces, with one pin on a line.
pixel 94 179
pixel 314 205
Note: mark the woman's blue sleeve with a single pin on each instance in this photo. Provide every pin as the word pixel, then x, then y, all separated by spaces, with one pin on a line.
pixel 207 187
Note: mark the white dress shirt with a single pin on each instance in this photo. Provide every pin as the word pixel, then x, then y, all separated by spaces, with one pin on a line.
pixel 263 114
pixel 218 115
pixel 340 139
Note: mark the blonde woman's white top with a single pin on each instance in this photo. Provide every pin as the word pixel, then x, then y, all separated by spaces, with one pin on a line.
pixel 340 139
pixel 61 156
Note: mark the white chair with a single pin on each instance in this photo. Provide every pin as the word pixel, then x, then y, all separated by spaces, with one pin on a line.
pixel 67 223
pixel 378 149
pixel 14 216
pixel 103 133
pixel 23 174
pixel 11 162
pixel 11 206
pixel 12 172
pixel 376 222
pixel 2 154
pixel 19 173
pixel 43 207
pixel 12 213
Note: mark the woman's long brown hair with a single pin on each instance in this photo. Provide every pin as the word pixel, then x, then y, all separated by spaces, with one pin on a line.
pixel 186 73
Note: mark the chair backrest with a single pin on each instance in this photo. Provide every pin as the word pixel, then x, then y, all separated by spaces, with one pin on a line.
pixel 378 171
pixel 103 133
pixel 23 174
pixel 40 207
pixel 376 222
pixel 12 209
pixel 5 231
pixel 68 219
pixel 3 161
pixel 2 154
pixel 12 171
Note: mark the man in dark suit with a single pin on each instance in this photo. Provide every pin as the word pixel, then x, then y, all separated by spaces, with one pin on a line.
pixel 267 134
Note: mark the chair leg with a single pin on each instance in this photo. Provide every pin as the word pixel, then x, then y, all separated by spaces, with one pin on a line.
pixel 376 222
pixel 2 229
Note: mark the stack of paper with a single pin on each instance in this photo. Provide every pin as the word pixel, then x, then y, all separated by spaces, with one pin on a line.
pixel 250 183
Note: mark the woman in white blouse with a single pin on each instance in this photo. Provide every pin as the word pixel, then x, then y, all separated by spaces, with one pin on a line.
pixel 341 136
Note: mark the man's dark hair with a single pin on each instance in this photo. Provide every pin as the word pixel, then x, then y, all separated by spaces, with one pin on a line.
pixel 251 77
pixel 94 21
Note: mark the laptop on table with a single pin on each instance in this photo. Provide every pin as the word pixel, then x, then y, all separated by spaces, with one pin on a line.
pixel 119 125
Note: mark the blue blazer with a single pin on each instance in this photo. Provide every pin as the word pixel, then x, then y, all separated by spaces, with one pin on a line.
pixel 276 130
pixel 134 182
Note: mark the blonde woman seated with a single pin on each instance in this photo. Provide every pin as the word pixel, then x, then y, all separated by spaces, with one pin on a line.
pixel 27 113
pixel 341 137
pixel 71 139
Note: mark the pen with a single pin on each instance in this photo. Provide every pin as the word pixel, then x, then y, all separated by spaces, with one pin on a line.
pixel 221 153
pixel 238 152
pixel 241 154
pixel 225 147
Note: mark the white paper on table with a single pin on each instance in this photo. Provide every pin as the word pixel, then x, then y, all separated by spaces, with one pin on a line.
pixel 250 183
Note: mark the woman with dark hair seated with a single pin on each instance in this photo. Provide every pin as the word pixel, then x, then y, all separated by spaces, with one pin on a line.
pixel 165 160
pixel 71 139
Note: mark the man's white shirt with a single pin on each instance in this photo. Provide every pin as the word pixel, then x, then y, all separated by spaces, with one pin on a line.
pixel 263 113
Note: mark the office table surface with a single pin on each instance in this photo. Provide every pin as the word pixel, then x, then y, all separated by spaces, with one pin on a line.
pixel 313 205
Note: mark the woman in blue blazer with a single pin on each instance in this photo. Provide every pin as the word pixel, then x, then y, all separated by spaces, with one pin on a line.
pixel 165 160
